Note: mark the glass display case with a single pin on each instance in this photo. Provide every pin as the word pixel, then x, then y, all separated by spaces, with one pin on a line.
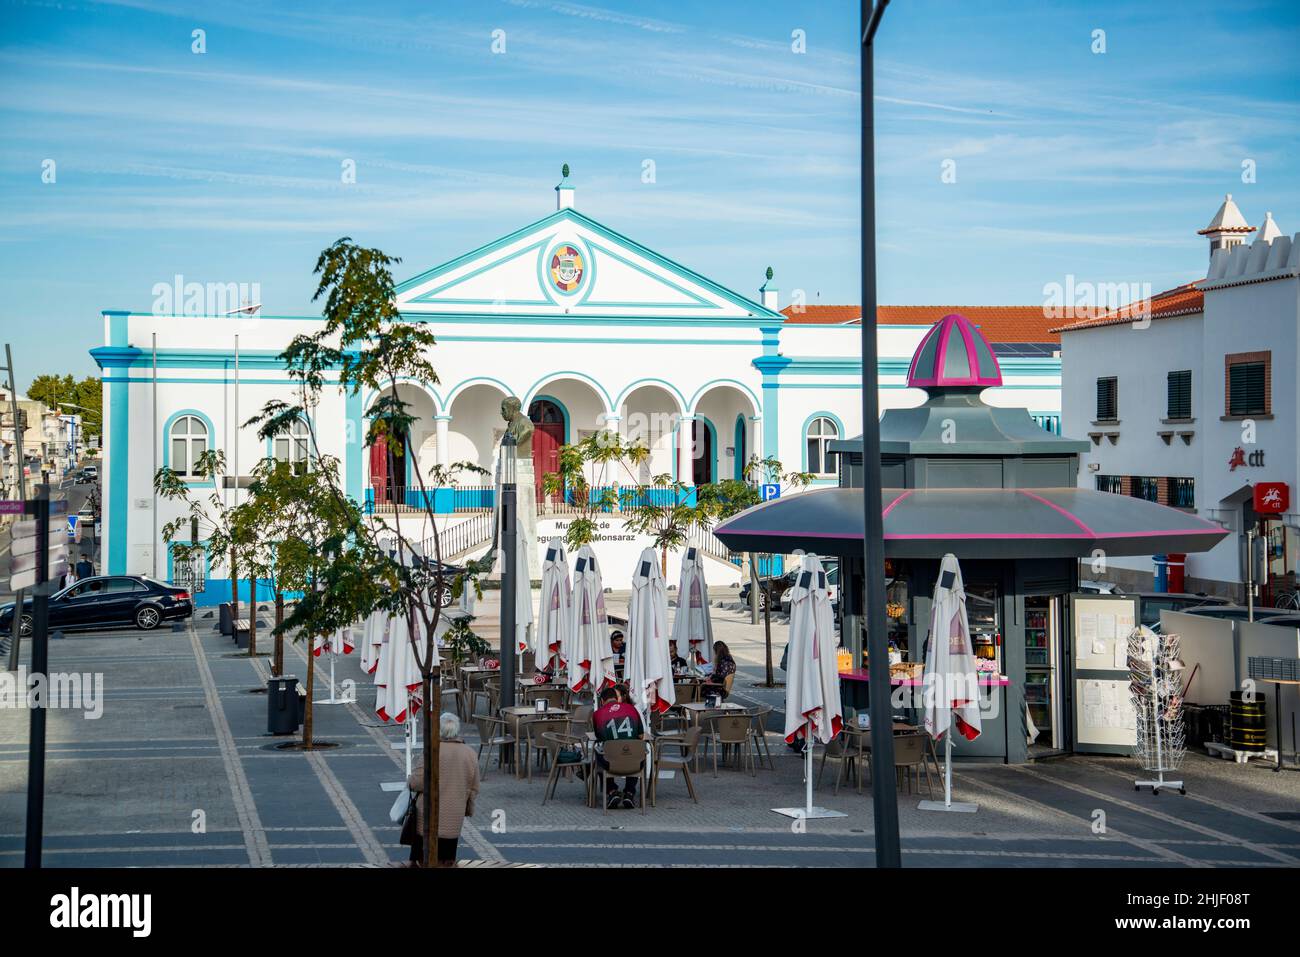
pixel 984 612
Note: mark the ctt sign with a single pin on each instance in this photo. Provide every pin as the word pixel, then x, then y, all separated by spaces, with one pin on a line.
pixel 1272 498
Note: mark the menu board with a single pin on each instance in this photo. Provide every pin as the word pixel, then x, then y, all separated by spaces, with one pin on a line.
pixel 1104 720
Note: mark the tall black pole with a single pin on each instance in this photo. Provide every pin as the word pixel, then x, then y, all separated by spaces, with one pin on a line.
pixel 40 672
pixel 509 571
pixel 884 799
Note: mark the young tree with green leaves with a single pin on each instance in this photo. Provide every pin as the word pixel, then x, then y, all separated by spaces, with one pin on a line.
pixel 604 456
pixel 664 510
pixel 365 343
pixel 220 529
pixel 731 497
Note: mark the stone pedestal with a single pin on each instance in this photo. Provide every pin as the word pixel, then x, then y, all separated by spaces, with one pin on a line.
pixel 526 508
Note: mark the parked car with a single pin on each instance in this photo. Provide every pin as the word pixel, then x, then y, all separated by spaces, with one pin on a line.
pixel 769 589
pixel 107 601
pixel 832 568
pixel 1288 620
pixel 449 573
pixel 91 473
pixel 1238 612
pixel 1152 603
pixel 1089 587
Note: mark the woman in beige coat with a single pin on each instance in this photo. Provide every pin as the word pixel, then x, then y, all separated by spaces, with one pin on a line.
pixel 457 786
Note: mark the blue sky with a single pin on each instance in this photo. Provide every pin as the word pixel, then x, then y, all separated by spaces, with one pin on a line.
pixel 225 166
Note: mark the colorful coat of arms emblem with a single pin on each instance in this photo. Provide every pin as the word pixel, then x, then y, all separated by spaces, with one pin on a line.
pixel 567 267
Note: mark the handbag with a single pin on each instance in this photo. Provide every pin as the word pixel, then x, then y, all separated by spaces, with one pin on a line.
pixel 568 756
pixel 410 829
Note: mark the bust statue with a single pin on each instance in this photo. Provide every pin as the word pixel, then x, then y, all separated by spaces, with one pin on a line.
pixel 518 425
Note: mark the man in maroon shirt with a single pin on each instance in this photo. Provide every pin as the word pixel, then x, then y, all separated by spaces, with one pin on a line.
pixel 617 720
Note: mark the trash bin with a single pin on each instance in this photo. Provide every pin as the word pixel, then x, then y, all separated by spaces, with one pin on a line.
pixel 227 618
pixel 283 712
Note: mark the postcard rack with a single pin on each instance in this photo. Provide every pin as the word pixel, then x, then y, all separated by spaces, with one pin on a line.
pixel 1156 683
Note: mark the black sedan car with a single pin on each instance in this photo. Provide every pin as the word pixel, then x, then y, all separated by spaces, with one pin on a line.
pixel 106 601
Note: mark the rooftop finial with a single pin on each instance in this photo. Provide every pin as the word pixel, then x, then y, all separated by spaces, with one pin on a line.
pixel 564 171
pixel 769 272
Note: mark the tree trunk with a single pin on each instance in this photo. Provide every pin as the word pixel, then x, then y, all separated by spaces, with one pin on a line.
pixel 311 690
pixel 429 727
pixel 753 590
pixel 252 616
pixel 234 587
pixel 277 663
pixel 663 562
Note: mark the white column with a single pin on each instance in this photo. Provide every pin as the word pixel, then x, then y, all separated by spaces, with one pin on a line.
pixel 756 436
pixel 685 450
pixel 440 440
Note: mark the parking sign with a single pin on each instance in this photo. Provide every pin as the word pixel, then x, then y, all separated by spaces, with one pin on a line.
pixel 770 491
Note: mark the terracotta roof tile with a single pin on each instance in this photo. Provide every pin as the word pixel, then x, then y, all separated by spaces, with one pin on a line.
pixel 1184 300
pixel 998 323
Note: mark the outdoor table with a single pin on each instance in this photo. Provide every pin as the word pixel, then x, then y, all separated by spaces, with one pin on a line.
pixel 515 719
pixel 697 711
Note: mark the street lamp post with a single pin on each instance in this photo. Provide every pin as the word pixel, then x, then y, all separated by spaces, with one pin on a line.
pixel 509 567
pixel 884 799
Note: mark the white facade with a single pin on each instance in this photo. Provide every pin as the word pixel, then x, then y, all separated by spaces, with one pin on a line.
pixel 577 321
pixel 1247 309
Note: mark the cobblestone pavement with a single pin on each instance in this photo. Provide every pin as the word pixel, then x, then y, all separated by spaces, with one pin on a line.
pixel 178 771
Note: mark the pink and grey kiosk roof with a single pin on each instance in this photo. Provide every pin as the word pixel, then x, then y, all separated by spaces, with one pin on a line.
pixel 953 428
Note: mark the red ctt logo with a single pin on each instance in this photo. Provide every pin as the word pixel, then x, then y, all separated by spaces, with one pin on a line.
pixel 1239 457
pixel 1272 497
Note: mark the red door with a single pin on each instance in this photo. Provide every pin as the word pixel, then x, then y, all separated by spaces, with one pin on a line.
pixel 547 439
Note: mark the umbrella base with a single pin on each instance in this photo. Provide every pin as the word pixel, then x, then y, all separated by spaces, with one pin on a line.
pixel 954 806
pixel 806 813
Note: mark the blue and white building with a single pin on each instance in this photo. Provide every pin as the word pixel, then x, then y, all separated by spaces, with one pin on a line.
pixel 590 329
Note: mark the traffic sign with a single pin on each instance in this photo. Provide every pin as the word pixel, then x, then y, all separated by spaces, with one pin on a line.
pixel 769 491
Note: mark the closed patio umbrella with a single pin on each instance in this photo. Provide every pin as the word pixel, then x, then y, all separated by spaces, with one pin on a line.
pixel 373 633
pixel 649 672
pixel 692 627
pixel 951 689
pixel 523 588
pixel 589 655
pixel 338 643
pixel 812 689
pixel 554 607
pixel 399 673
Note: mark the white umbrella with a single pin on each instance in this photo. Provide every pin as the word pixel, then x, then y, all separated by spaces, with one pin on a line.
pixel 812 687
pixel 338 643
pixel 398 677
pixel 588 652
pixel 951 680
pixel 523 588
pixel 554 607
pixel 373 634
pixel 692 627
pixel 649 672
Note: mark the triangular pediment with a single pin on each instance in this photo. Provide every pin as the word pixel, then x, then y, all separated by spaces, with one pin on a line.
pixel 568 264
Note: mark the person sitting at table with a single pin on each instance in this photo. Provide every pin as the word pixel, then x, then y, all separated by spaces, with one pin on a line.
pixel 676 660
pixel 616 645
pixel 724 671
pixel 617 719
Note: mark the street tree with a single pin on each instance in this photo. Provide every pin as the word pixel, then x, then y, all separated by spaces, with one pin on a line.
pixel 587 479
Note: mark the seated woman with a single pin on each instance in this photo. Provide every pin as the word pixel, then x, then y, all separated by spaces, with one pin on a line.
pixel 724 672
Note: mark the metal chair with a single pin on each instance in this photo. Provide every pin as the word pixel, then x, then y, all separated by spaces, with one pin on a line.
pixel 553 742
pixel 681 761
pixel 909 759
pixel 732 731
pixel 758 718
pixel 852 752
pixel 492 733
pixel 623 759
pixel 531 735
pixel 555 696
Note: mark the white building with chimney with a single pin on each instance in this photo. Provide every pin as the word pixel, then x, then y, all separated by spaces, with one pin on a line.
pixel 1190 399
pixel 587 327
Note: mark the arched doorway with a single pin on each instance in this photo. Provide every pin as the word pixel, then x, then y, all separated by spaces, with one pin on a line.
pixel 388 469
pixel 741 457
pixel 548 435
pixel 702 465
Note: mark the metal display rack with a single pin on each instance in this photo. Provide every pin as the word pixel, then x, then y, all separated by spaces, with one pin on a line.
pixel 1156 682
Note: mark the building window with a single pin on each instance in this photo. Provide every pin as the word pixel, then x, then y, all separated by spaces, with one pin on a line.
pixel 292 446
pixel 1180 395
pixel 1248 376
pixel 1182 492
pixel 1107 399
pixel 1147 487
pixel 189 440
pixel 1110 483
pixel 821 433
